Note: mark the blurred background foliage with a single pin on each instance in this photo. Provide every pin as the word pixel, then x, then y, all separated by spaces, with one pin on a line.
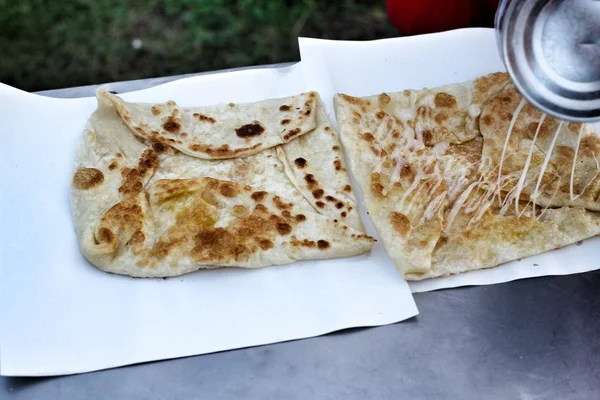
pixel 52 44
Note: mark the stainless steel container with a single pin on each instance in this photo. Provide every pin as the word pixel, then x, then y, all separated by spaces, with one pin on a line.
pixel 551 49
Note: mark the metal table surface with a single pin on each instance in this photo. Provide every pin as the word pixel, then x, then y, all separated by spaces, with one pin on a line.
pixel 530 339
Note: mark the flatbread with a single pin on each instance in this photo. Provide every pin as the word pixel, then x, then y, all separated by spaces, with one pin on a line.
pixel 143 208
pixel 220 131
pixel 433 197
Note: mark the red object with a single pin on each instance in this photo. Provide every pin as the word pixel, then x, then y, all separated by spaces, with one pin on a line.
pixel 413 17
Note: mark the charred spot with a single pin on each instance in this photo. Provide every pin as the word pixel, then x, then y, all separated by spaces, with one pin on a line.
pixel 317 194
pixel 300 218
pixel 113 165
pixel 343 214
pixel 339 205
pixel 307 112
pixel 368 136
pixel 323 244
pixel 291 134
pixel 284 228
pixel 282 205
pixel 250 130
pixel 87 178
pixel 228 190
pixel 337 164
pixel 285 121
pixel 300 162
pixel 320 204
pixel 330 198
pixel 160 147
pixel 258 196
pixel 285 107
pixel 205 118
pixel 347 188
pixel 335 148
pixel 171 125
pixel 310 179
pixel 427 137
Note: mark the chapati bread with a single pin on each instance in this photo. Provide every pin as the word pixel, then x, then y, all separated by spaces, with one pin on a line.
pixel 437 204
pixel 221 131
pixel 143 208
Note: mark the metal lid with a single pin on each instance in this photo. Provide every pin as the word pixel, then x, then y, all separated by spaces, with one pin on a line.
pixel 551 49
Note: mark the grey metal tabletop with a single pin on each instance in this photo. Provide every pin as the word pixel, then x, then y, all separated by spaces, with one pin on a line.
pixel 529 339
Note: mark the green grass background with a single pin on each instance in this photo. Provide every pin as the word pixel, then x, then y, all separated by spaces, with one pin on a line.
pixel 52 44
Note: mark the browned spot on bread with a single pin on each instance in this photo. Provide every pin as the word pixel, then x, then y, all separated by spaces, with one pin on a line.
pixel 119 155
pixel 300 162
pixel 356 114
pixel 291 134
pixel 159 147
pixel 285 107
pixel 261 209
pixel 376 185
pixel 171 125
pixel 327 128
pixel 428 137
pixel 318 193
pixel 228 189
pixel 330 198
pixel 240 210
pixel 590 145
pixel 380 115
pixel 250 130
pixel 347 188
pixel 231 105
pixel 300 218
pixel 205 118
pixel 338 165
pixel 87 178
pixel 310 180
pixel 286 214
pixel 368 136
pixel 302 243
pixel 350 99
pixel 335 148
pixel 113 165
pixel 343 214
pixel 137 238
pixel 320 204
pixel 280 204
pixel 105 235
pixel 440 117
pixel 265 244
pixel 307 112
pixel 339 205
pixel 383 99
pixel 487 120
pixel 155 110
pixel 221 152
pixel 444 100
pixel 285 121
pixel 400 223
pixel 258 196
pixel 284 228
pixel 133 178
pixel 323 244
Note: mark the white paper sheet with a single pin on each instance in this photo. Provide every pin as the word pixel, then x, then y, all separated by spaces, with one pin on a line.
pixel 390 65
pixel 60 315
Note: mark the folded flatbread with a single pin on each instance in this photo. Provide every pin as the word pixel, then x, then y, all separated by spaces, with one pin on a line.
pixel 162 190
pixel 445 193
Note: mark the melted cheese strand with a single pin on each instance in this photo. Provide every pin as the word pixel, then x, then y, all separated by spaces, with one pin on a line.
pixel 571 197
pixel 508 134
pixel 546 161
pixel 526 167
